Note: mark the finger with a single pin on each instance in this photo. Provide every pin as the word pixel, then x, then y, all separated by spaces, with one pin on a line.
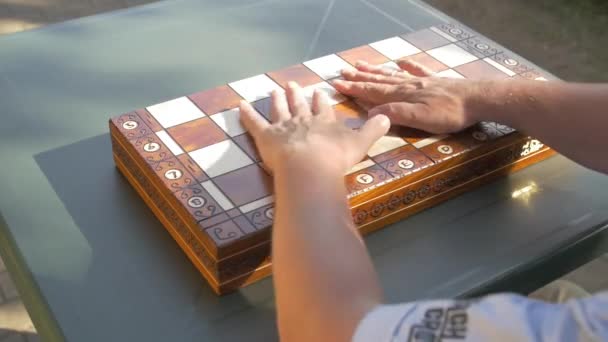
pixel 374 129
pixel 415 115
pixel 360 76
pixel 381 70
pixel 374 93
pixel 279 110
pixel 298 106
pixel 320 103
pixel 251 119
pixel 414 68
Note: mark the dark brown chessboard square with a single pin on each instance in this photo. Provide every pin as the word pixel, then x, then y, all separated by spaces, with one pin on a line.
pixel 351 114
pixel 193 167
pixel 149 120
pixel 197 134
pixel 365 178
pixel 480 69
pixel 263 106
pixel 297 73
pixel 425 39
pixel 363 53
pixel 198 202
pixel 429 62
pixel 245 185
pixel 216 100
pixel 246 143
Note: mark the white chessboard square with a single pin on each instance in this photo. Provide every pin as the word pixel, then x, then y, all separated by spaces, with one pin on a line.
pixel 257 204
pixel 392 66
pixel 328 67
pixel 334 96
pixel 217 195
pixel 450 73
pixel 451 55
pixel 360 166
pixel 175 112
pixel 255 88
pixel 395 48
pixel 230 122
pixel 385 144
pixel 220 158
pixel 171 144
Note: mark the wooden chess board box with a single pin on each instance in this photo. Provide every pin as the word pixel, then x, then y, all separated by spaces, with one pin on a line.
pixel 198 170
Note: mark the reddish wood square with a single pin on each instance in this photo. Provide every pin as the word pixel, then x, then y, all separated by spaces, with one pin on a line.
pixel 246 143
pixel 216 100
pixel 197 134
pixel 425 39
pixel 363 53
pixel 479 69
pixel 351 114
pixel 198 202
pixel 297 73
pixel 245 185
pixel 428 61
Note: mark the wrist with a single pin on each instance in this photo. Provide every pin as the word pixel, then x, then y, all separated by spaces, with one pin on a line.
pixel 480 101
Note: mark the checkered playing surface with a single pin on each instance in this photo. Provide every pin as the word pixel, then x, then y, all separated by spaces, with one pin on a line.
pixel 198 148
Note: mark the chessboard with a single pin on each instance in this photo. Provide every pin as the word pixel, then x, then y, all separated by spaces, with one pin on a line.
pixel 199 171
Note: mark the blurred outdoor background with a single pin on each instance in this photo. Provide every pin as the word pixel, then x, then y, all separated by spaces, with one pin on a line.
pixel 568 38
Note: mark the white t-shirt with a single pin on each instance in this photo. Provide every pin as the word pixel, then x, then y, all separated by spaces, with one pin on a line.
pixel 504 317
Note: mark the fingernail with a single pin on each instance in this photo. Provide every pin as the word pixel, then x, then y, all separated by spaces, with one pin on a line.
pixel 383 119
pixel 360 62
pixel 292 84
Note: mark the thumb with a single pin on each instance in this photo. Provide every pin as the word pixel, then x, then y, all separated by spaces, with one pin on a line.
pixel 415 115
pixel 374 129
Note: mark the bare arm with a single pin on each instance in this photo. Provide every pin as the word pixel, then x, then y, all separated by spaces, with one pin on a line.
pixel 323 276
pixel 569 117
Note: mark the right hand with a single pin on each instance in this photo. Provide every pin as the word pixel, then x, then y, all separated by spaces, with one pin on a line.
pixel 413 97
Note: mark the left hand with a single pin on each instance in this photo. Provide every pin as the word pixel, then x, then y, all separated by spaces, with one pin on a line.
pixel 304 136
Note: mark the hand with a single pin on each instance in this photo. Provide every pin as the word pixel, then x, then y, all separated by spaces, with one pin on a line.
pixel 412 97
pixel 303 136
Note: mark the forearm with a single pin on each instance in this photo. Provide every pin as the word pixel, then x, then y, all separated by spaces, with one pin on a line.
pixel 324 279
pixel 571 118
